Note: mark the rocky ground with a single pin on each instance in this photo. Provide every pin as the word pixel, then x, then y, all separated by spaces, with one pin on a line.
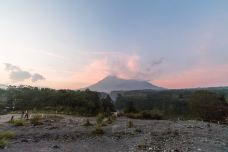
pixel 69 135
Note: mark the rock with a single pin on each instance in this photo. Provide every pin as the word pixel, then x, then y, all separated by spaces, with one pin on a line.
pixel 56 147
pixel 25 140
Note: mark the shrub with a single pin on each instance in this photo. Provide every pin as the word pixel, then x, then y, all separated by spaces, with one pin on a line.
pixel 7 135
pixel 130 108
pixel 156 114
pixel 36 120
pixel 133 115
pixel 130 124
pixel 98 131
pixel 3 142
pixel 100 117
pixel 18 122
pixel 208 106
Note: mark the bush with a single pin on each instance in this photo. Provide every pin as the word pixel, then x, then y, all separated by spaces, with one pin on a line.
pixel 154 114
pixel 36 120
pixel 130 108
pixel 130 124
pixel 208 106
pixel 18 122
pixel 133 115
pixel 100 117
pixel 5 137
pixel 98 131
pixel 3 143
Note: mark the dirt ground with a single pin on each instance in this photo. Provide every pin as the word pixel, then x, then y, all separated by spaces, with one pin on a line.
pixel 69 135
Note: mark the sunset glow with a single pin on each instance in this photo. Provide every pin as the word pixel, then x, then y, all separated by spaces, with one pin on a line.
pixel 74 44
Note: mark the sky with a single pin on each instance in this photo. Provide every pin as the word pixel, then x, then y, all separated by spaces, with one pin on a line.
pixel 71 44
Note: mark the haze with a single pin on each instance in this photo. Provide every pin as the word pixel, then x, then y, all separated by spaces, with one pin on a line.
pixel 73 44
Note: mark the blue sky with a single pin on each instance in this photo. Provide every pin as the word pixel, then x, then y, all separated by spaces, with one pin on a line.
pixel 72 44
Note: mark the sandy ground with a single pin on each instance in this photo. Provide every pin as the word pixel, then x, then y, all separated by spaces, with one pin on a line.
pixel 69 135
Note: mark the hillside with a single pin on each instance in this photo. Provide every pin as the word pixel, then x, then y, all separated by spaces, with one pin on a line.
pixel 113 83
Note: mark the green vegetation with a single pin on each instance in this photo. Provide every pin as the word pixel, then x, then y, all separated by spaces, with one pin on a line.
pixel 100 117
pixel 36 120
pixel 153 114
pixel 130 124
pixel 98 131
pixel 169 104
pixel 18 122
pixel 86 103
pixel 5 137
pixel 3 143
pixel 208 106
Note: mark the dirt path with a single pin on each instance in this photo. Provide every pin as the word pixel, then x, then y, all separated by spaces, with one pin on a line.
pixel 69 135
pixel 6 118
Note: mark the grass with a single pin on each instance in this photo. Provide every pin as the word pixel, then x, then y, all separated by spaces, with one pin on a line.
pixel 5 137
pixel 3 143
pixel 18 122
pixel 36 120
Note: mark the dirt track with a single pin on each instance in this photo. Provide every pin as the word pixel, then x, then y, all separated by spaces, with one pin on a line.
pixel 69 135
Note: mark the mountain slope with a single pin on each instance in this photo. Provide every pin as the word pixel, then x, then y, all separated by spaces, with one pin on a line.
pixel 113 83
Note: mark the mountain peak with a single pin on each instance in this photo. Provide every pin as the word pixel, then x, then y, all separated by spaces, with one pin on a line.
pixel 114 83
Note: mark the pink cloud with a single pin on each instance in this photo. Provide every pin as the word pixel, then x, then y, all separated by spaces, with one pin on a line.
pixel 132 63
pixel 198 77
pixel 122 65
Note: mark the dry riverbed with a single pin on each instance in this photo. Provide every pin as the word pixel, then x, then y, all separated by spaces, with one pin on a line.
pixel 69 135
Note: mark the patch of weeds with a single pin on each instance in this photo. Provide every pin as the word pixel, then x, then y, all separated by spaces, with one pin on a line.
pixel 100 117
pixel 54 117
pixel 18 122
pixel 36 120
pixel 98 131
pixel 3 143
pixel 130 124
pixel 111 119
pixel 87 124
pixel 5 137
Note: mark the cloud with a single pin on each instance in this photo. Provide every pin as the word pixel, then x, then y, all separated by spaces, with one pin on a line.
pixel 122 65
pixel 37 77
pixel 17 74
pixel 10 67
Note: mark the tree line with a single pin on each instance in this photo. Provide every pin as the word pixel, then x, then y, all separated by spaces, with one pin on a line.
pixel 69 101
pixel 186 104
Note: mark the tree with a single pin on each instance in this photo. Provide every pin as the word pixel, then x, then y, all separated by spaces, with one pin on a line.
pixel 208 106
pixel 130 107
